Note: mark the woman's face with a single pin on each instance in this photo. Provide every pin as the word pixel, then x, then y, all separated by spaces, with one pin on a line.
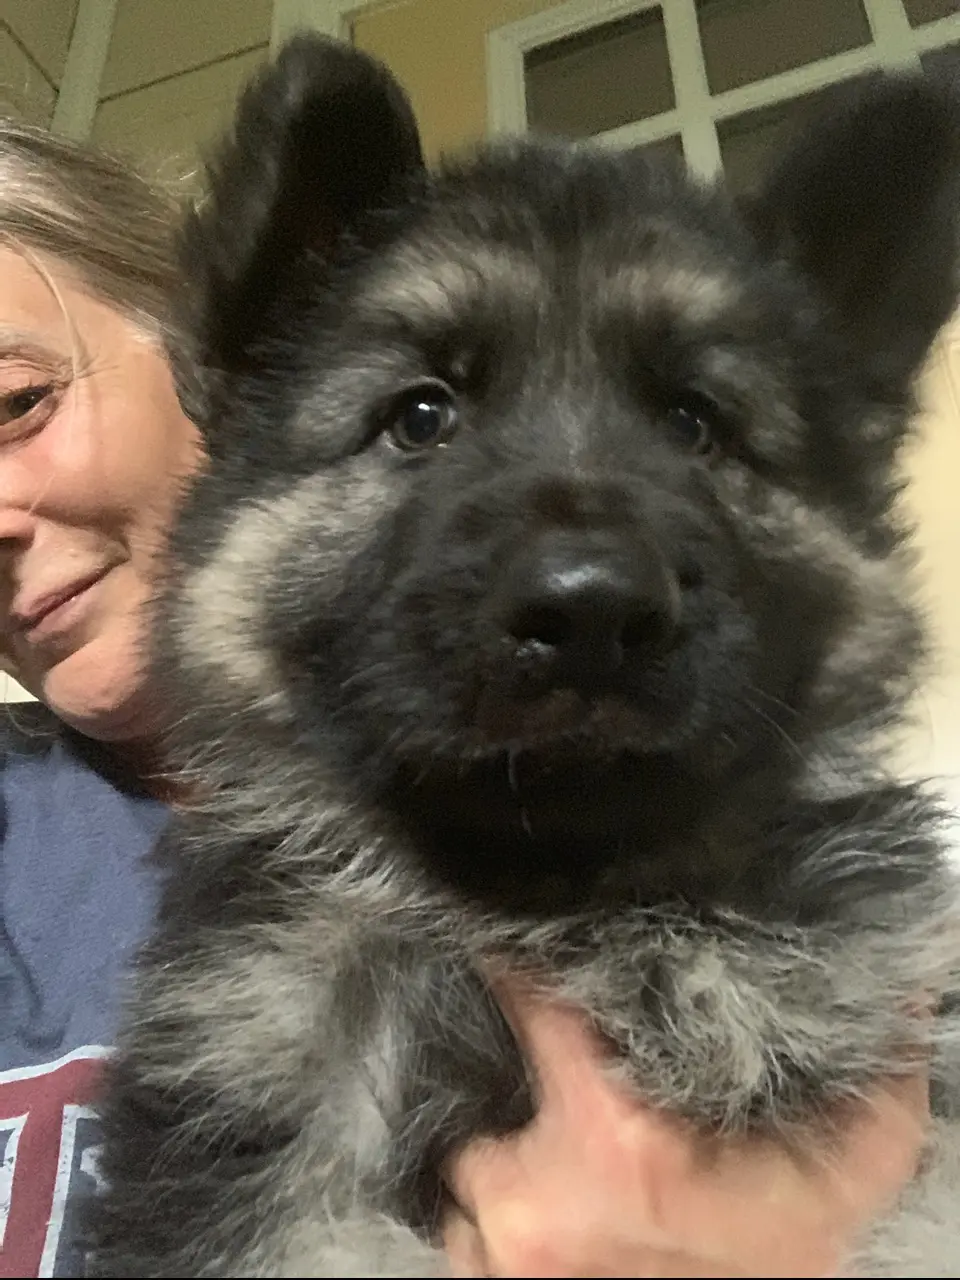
pixel 93 451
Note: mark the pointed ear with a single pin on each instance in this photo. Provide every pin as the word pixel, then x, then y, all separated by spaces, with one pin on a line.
pixel 320 137
pixel 866 205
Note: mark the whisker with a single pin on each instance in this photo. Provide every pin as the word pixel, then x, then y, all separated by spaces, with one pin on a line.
pixel 778 729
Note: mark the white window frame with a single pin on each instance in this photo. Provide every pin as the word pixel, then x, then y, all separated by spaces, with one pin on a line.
pixel 697 113
pixel 79 91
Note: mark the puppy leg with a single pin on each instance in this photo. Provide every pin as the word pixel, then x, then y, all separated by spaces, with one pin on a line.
pixel 286 1099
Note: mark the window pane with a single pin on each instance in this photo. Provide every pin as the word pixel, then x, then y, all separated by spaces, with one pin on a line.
pixel 600 79
pixel 921 11
pixel 748 40
pixel 664 148
pixel 942 62
pixel 748 143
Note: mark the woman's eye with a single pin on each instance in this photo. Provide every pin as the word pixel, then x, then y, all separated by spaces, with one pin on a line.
pixel 423 417
pixel 16 405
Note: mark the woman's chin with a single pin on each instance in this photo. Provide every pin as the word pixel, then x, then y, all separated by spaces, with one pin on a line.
pixel 98 690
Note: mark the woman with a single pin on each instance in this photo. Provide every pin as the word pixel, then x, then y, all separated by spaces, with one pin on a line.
pixel 93 450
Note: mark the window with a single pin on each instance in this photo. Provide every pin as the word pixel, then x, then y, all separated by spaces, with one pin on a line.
pixel 719 79
pixel 921 11
pixel 600 79
pixel 749 40
pixel 945 61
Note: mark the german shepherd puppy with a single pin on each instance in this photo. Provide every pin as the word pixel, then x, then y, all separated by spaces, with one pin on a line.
pixel 544 605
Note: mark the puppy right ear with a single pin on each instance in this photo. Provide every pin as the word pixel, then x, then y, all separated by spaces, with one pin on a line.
pixel 320 137
pixel 865 204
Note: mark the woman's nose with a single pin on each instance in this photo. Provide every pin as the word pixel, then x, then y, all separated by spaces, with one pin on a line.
pixel 17 522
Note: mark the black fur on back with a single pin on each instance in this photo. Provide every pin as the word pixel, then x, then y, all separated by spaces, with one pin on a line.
pixel 409 766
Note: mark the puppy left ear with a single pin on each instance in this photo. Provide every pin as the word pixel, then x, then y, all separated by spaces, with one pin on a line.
pixel 321 137
pixel 866 206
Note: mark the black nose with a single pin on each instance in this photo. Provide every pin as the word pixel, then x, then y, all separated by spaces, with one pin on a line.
pixel 590 605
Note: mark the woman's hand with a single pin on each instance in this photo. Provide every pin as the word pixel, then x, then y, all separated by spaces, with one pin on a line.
pixel 599 1185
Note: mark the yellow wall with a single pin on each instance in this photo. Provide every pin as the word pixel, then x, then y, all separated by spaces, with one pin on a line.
pixel 173 71
pixel 175 66
pixel 933 470
pixel 34 36
pixel 43 27
pixel 437 49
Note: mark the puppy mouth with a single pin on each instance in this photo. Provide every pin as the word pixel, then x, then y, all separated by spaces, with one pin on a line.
pixel 601 722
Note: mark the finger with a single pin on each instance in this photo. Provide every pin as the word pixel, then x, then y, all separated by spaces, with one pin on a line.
pixel 807 1206
pixel 591 1142
pixel 510 1244
pixel 558 1038
pixel 579 1110
pixel 578 1094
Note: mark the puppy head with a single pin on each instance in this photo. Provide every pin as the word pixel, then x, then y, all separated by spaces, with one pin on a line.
pixel 553 457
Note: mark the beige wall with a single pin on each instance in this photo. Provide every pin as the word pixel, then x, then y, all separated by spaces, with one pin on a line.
pixel 437 48
pixel 34 36
pixel 933 469
pixel 173 71
pixel 174 66
pixel 44 28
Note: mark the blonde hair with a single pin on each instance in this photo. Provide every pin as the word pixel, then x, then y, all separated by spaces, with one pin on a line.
pixel 65 204
pixel 95 214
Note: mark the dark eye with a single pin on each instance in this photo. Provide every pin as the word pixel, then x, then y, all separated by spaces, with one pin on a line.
pixel 18 404
pixel 423 417
pixel 696 423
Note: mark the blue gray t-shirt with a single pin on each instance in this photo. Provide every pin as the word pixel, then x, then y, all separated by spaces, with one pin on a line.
pixel 77 896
